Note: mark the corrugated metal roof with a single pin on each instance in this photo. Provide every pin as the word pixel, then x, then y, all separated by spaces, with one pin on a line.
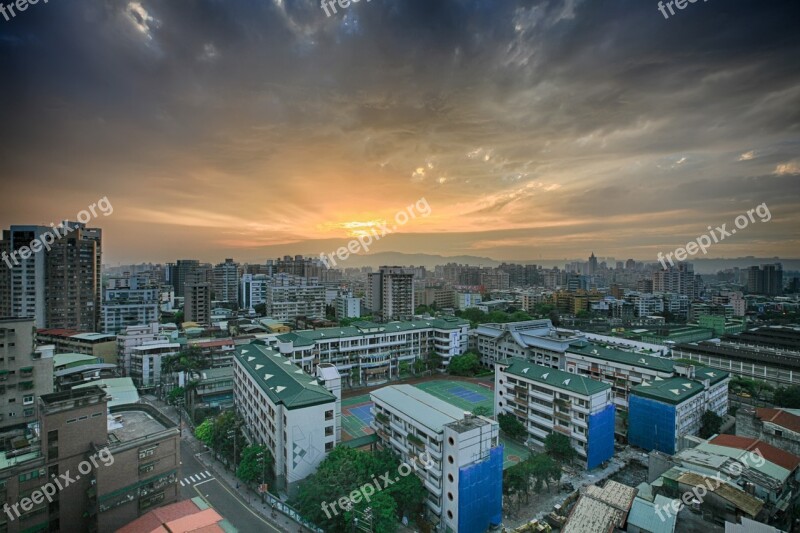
pixel 643 515
pixel 418 405
pixel 749 504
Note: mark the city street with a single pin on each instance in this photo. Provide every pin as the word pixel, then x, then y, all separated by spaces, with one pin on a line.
pixel 203 476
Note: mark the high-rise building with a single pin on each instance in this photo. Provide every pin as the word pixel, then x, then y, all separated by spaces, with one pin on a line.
pixel 58 285
pixel 390 294
pixel 679 279
pixel 24 374
pixel 177 274
pixel 592 265
pixel 767 279
pixel 197 297
pixel 226 282
pixel 130 301
pixel 253 290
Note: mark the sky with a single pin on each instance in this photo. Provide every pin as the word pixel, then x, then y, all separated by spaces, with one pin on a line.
pixel 531 129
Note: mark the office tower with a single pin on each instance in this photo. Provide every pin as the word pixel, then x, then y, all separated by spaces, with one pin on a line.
pixel 22 282
pixel 24 374
pixel 390 294
pixel 130 301
pixel 226 282
pixel 592 265
pixel 72 283
pixel 197 297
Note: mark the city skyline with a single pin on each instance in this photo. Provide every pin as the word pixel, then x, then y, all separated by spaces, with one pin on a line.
pixel 534 131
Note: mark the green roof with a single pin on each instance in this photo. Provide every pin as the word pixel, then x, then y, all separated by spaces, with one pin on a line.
pixel 671 390
pixel 309 336
pixel 660 364
pixel 69 360
pixel 712 374
pixel 283 381
pixel 556 378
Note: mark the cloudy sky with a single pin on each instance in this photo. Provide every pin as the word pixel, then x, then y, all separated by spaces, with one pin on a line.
pixel 533 129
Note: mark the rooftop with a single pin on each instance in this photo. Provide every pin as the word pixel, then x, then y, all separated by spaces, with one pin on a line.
pixel 131 422
pixel 643 515
pixel 418 405
pixel 308 337
pixel 670 390
pixel 712 374
pixel 660 364
pixel 779 417
pixel 555 378
pixel 601 509
pixel 283 381
pixel 68 360
pixel 181 517
pixel 120 391
pixel 770 453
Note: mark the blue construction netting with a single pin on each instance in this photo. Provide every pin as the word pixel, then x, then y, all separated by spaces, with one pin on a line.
pixel 600 446
pixel 651 424
pixel 480 494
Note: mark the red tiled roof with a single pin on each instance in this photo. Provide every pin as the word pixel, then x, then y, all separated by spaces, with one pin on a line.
pixel 60 332
pixel 779 417
pixel 196 521
pixel 770 452
pixel 154 520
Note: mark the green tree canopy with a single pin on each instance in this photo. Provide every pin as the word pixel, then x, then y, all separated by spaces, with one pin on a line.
pixel 511 426
pixel 252 468
pixel 559 447
pixel 711 423
pixel 464 365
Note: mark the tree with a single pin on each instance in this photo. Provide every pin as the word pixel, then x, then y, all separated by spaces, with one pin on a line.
pixel 175 394
pixel 343 471
pixel 205 432
pixel 543 470
pixel 559 447
pixel 788 397
pixel 464 365
pixel 710 424
pixel 252 468
pixel 482 410
pixel 516 482
pixel 383 510
pixel 511 426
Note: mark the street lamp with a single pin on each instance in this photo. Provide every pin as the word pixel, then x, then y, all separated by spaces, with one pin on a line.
pixel 232 432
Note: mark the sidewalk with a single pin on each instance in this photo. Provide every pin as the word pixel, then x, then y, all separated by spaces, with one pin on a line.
pixel 205 456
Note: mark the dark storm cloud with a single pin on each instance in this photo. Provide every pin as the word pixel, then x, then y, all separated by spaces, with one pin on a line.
pixel 592 116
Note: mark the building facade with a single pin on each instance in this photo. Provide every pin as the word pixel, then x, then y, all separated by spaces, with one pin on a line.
pixel 285 410
pixel 458 454
pixel 546 400
pixel 389 294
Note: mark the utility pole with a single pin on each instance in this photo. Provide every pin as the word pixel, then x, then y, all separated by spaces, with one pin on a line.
pixel 232 432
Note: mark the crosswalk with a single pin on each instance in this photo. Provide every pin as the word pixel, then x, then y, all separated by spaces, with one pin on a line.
pixel 196 478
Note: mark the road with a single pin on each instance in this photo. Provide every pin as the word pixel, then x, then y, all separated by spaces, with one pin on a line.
pixel 198 480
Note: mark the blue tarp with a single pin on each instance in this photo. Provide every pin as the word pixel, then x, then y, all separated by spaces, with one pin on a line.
pixel 600 445
pixel 480 494
pixel 651 424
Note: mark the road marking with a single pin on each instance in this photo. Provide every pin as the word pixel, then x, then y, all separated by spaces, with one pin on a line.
pixel 246 506
pixel 193 479
pixel 206 481
pixel 182 485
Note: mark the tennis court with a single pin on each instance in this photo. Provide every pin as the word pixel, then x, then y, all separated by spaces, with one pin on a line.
pixel 464 395
pixel 356 417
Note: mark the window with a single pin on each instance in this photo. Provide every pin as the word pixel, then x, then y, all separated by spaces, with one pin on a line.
pixel 329 415
pixel 27 400
pixel 328 446
pixel 328 431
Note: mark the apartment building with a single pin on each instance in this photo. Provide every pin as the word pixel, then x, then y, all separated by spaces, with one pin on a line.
pixel 286 410
pixel 389 294
pixel 466 300
pixel 226 282
pixel 546 400
pixel 347 306
pixel 137 461
pixel 25 375
pixel 286 302
pixel 253 290
pixel 145 362
pixel 59 287
pixel 102 345
pixel 464 459
pixel 663 411
pixel 372 353
pixel 130 301
pixel 197 298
